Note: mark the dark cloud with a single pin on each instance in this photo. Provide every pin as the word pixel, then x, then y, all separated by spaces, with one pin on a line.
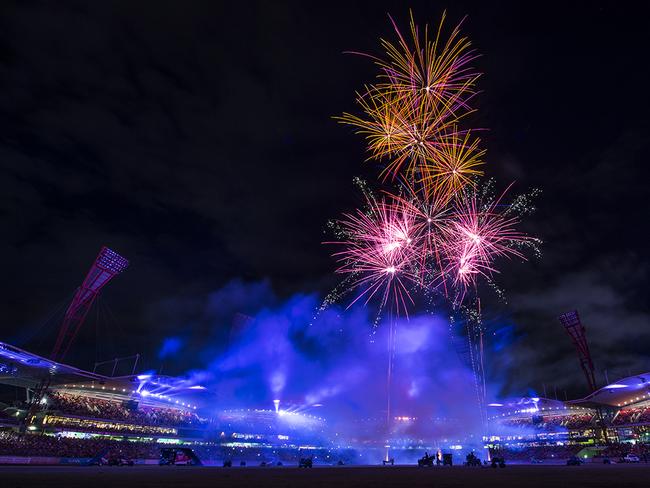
pixel 594 261
pixel 197 140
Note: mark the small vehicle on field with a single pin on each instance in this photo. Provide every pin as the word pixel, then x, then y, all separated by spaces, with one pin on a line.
pixel 472 461
pixel 119 460
pixel 178 456
pixel 306 463
pixel 426 461
pixel 499 462
pixel 111 458
pixel 573 461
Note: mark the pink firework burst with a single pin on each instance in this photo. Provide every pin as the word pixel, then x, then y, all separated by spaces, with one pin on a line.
pixel 430 216
pixel 476 236
pixel 381 247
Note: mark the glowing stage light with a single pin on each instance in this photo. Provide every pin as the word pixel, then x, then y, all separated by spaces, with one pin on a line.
pixel 276 404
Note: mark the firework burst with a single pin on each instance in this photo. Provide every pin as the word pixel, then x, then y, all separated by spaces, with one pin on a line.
pixel 410 117
pixel 478 235
pixel 456 166
pixel 380 247
pixel 427 71
pixel 436 229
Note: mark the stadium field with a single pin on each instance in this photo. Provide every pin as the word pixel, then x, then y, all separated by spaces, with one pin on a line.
pixel 592 476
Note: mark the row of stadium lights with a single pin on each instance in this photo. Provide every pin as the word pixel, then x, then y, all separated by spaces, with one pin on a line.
pixel 143 393
pixel 530 410
pixel 635 399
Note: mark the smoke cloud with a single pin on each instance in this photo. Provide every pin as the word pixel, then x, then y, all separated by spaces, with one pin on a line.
pixel 260 349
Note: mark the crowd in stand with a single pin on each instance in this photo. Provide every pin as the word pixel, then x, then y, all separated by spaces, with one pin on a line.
pixel 14 444
pixel 632 416
pixel 616 451
pixel 101 425
pixel 579 421
pixel 638 415
pixel 575 421
pixel 536 452
pixel 613 451
pixel 114 410
pixel 645 416
pixel 625 416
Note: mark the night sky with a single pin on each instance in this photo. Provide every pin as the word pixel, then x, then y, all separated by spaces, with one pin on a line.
pixel 196 139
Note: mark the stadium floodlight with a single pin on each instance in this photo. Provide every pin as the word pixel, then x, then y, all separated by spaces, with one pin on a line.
pixel 573 326
pixel 107 265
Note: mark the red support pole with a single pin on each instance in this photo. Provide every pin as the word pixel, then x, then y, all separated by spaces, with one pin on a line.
pixel 107 265
pixel 575 329
pixel 573 326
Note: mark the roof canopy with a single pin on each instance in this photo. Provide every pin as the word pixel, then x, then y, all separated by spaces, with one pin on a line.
pixel 622 393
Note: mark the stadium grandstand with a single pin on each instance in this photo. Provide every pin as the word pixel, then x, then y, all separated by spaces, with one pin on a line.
pixel 615 417
pixel 82 414
pixel 47 406
pixel 82 405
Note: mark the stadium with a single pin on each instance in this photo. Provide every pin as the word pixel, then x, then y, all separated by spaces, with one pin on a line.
pixel 610 423
pixel 84 416
pixel 279 309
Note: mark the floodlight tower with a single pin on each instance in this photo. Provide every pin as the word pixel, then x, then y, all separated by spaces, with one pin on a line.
pixel 107 265
pixel 573 326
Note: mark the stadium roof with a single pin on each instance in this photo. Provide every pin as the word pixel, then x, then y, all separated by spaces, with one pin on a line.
pixel 26 370
pixel 149 389
pixel 527 406
pixel 622 393
pixel 21 368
